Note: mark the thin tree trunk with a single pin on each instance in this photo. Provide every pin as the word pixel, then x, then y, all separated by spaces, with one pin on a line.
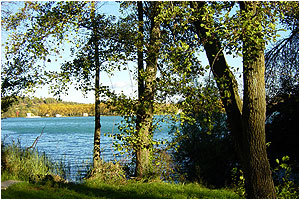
pixel 97 133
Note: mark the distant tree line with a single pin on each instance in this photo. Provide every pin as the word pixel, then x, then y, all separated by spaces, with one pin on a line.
pixel 49 107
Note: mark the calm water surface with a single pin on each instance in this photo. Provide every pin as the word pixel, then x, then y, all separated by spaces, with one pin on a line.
pixel 68 138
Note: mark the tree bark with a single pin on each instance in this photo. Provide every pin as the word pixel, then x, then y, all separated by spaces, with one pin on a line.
pixel 146 96
pixel 258 182
pixel 140 52
pixel 97 133
pixel 225 80
pixel 258 179
pixel 141 156
pixel 246 120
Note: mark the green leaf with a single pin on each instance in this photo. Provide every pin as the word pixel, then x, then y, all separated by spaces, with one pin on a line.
pixel 285 158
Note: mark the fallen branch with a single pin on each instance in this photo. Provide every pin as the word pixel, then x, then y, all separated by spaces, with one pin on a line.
pixel 36 140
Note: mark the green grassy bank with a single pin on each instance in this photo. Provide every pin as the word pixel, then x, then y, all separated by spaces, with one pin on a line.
pixel 131 190
pixel 44 179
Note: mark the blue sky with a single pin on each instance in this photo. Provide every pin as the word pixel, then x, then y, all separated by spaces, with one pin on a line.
pixel 122 80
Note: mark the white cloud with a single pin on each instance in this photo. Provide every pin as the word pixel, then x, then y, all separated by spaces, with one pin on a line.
pixel 121 85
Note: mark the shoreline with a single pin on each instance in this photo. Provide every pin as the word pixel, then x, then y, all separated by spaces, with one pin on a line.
pixel 54 117
pixel 33 117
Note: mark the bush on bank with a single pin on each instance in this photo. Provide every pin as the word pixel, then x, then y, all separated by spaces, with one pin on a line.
pixel 27 164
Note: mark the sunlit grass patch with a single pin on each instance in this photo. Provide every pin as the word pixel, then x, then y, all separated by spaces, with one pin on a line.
pixel 161 190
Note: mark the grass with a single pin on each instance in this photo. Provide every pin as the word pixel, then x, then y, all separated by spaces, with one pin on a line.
pixel 26 164
pixel 132 190
pixel 21 164
pixel 107 181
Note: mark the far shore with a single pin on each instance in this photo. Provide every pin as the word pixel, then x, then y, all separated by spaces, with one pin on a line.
pixel 102 115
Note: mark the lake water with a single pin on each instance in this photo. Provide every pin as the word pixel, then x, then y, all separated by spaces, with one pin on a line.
pixel 68 138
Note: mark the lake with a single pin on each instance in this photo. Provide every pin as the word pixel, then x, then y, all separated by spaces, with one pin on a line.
pixel 69 139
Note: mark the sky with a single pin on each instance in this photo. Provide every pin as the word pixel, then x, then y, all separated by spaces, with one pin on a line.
pixel 121 80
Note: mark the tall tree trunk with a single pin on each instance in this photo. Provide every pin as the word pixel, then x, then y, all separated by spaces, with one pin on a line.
pixel 97 133
pixel 141 165
pixel 140 52
pixel 146 96
pixel 226 82
pixel 246 120
pixel 259 182
pixel 258 179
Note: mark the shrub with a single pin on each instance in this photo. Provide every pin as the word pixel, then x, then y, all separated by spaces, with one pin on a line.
pixel 164 165
pixel 26 164
pixel 206 158
pixel 107 172
pixel 238 182
pixel 286 184
pixel 282 130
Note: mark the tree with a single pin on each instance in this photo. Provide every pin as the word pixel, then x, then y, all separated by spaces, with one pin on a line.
pixel 95 38
pixel 259 182
pixel 137 132
pixel 14 73
pixel 219 33
pixel 16 65
pixel 99 49
pixel 142 155
pixel 242 32
pixel 147 93
pixel 29 43
pixel 55 20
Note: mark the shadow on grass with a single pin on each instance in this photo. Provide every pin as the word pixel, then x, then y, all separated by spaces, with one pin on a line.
pixel 113 192
pixel 70 191
pixel 123 191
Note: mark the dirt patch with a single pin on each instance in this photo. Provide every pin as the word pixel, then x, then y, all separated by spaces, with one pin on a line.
pixel 6 184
